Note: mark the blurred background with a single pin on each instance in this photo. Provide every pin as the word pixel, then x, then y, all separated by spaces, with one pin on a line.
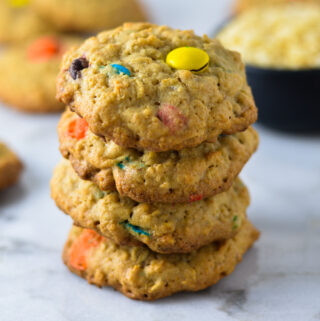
pixel 280 44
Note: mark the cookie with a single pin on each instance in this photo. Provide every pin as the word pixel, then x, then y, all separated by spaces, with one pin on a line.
pixel 165 228
pixel 142 274
pixel 167 177
pixel 242 5
pixel 151 87
pixel 88 16
pixel 10 167
pixel 18 22
pixel 28 74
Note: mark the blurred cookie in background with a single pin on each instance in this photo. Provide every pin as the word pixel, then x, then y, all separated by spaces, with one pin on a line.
pixel 10 167
pixel 18 22
pixel 29 71
pixel 88 15
pixel 242 5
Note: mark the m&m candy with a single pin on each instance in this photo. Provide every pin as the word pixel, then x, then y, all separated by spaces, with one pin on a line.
pixel 77 128
pixel 80 248
pixel 76 66
pixel 44 49
pixel 195 197
pixel 119 69
pixel 188 58
pixel 18 3
pixel 172 118
pixel 135 229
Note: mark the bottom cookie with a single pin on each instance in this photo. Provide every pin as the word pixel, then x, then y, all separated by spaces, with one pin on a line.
pixel 141 274
pixel 10 167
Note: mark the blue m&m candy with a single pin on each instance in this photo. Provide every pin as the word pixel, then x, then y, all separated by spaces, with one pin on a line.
pixel 119 69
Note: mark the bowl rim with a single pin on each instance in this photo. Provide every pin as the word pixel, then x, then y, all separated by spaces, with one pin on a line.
pixel 280 70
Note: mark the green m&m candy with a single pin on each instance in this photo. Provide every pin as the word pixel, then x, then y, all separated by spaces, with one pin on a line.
pixel 188 58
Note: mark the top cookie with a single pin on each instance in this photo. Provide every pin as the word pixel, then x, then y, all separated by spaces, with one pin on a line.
pixel 121 83
pixel 88 15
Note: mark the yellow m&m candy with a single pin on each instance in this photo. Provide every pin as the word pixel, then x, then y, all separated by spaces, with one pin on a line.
pixel 18 3
pixel 188 58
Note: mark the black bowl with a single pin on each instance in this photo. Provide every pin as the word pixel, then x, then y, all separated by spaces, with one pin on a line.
pixel 287 99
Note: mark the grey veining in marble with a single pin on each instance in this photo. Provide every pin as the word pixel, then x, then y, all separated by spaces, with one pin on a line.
pixel 279 279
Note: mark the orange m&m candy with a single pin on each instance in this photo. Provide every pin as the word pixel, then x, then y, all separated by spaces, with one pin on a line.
pixel 78 128
pixel 79 250
pixel 44 49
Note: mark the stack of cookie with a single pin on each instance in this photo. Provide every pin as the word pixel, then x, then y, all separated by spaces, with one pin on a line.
pixel 157 131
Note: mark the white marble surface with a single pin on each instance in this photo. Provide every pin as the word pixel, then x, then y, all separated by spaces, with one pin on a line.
pixel 279 279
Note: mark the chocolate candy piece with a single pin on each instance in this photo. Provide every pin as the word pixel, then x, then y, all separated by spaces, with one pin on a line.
pixel 76 66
